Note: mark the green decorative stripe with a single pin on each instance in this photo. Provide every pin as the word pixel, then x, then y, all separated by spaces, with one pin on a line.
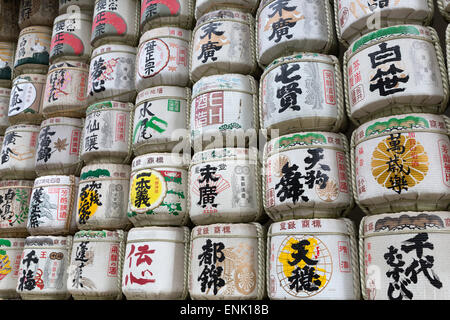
pixel 90 234
pixel 396 123
pixel 383 33
pixel 99 105
pixel 95 174
pixel 4 243
pixel 230 126
pixel 296 139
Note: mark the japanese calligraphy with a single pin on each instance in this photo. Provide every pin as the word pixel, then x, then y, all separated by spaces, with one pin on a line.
pixel 289 91
pixel 399 162
pixel 141 255
pixel 402 275
pixel 80 260
pixel 44 150
pixel 282 18
pixel 90 141
pixel 35 210
pixel 89 201
pixel 27 280
pixel 208 192
pixel 211 41
pixel 147 123
pixel 10 138
pixel 211 274
pixel 293 183
pixel 388 76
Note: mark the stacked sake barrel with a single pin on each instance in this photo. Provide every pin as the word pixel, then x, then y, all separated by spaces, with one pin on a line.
pixel 306 165
pixel 396 88
pixel 157 245
pixel 224 174
pixel 97 256
pixel 42 146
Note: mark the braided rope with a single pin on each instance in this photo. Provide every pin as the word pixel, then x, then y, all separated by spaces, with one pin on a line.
pixel 354 258
pixel 430 15
pixel 442 69
pixel 130 137
pixel 349 174
pixel 331 42
pixel 362 273
pixel 338 26
pixel 189 99
pixel 251 25
pixel 346 88
pixel 447 46
pixel 190 249
pixel 253 45
pixel 444 13
pixel 122 246
pixel 268 254
pixel 261 289
pixel 341 119
pixel 72 194
pixel 395 109
pixel 186 263
pixel 353 175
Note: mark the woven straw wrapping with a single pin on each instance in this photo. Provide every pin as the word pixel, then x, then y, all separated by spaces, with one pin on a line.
pixel 169 251
pixel 166 50
pixel 204 6
pixel 313 31
pixel 332 244
pixel 183 17
pixel 110 182
pixel 426 88
pixel 332 198
pixel 100 277
pixel 234 120
pixel 324 113
pixel 52 206
pixel 33 50
pixel 423 182
pixel 25 104
pixel 165 130
pixel 115 82
pixel 8 53
pixel 22 141
pixel 238 186
pixel 4 107
pixel 58 148
pixel 419 12
pixel 243 261
pixel 162 178
pixel 51 252
pixel 10 254
pixel 65 90
pixel 107 133
pixel 70 31
pixel 127 12
pixel 13 222
pixel 237 52
pixel 37 13
pixel 406 239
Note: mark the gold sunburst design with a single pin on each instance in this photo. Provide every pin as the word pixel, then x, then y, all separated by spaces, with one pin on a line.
pixel 329 193
pixel 399 162
pixel 278 164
